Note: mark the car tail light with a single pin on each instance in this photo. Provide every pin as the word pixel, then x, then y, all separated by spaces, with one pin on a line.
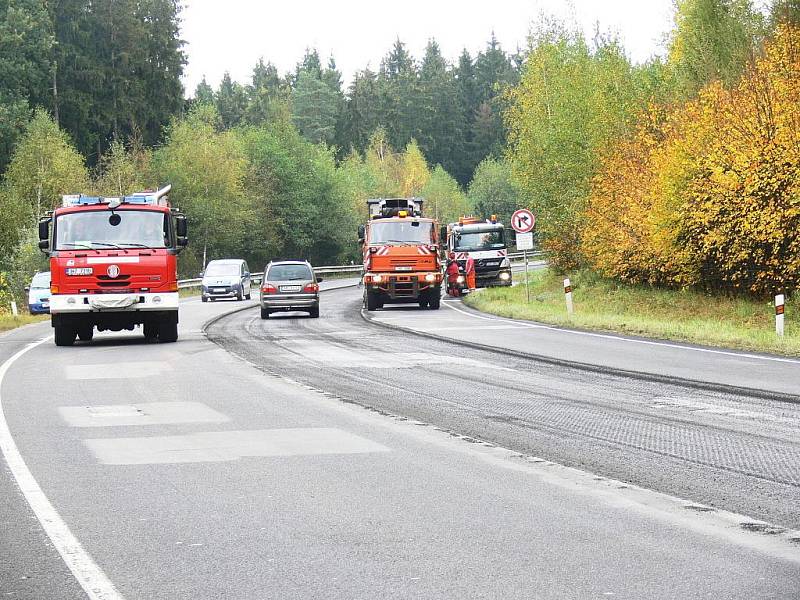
pixel 311 288
pixel 269 289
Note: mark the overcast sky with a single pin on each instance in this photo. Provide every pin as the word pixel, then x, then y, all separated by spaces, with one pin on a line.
pixel 230 35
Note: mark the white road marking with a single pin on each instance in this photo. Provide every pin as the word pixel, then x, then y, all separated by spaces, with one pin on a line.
pixel 147 413
pixel 222 446
pixel 118 370
pixel 90 576
pixel 624 339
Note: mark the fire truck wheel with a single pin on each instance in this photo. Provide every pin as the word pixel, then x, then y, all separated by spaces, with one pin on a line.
pixel 435 301
pixel 64 334
pixel 423 302
pixel 168 331
pixel 372 301
pixel 265 313
pixel 85 334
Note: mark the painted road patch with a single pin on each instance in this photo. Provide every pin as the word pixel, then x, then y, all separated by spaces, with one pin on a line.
pixel 223 446
pixel 147 413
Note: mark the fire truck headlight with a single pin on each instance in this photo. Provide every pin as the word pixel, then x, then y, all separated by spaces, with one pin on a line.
pixel 377 278
pixel 430 277
pixel 505 276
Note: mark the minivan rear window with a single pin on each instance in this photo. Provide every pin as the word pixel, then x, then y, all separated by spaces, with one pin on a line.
pixel 288 272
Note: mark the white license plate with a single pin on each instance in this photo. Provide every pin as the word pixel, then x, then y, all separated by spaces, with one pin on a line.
pixel 218 290
pixel 291 288
pixel 404 268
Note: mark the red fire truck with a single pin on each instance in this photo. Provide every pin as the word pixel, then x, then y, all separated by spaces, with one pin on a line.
pixel 113 265
pixel 401 255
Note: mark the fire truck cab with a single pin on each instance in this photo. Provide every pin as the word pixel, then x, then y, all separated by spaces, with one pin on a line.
pixel 401 256
pixel 113 264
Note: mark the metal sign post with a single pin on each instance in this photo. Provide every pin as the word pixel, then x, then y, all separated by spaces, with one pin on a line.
pixel 525 243
pixel 523 222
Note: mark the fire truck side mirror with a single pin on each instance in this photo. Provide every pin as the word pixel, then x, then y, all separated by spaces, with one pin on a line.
pixel 362 233
pixel 180 226
pixel 44 234
pixel 181 230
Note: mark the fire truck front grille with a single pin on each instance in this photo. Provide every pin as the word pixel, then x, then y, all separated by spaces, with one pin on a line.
pixel 104 281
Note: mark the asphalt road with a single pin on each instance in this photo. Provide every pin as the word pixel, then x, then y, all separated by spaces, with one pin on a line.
pixel 769 375
pixel 187 472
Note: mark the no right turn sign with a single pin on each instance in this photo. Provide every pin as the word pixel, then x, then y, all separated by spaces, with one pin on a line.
pixel 523 221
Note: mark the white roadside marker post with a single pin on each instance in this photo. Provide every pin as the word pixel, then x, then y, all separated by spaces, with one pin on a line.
pixel 779 303
pixel 568 295
pixel 14 310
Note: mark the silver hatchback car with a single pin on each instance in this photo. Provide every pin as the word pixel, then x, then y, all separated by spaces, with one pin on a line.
pixel 289 285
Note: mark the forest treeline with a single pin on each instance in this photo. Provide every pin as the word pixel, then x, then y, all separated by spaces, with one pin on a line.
pixel 679 171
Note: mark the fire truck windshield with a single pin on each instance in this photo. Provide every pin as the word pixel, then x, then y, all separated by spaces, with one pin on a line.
pixel 480 240
pixel 121 229
pixel 401 232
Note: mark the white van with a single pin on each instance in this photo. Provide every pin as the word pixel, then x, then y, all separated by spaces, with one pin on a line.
pixel 226 278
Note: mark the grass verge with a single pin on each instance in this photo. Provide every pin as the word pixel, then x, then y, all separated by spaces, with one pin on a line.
pixel 8 321
pixel 681 315
pixel 189 292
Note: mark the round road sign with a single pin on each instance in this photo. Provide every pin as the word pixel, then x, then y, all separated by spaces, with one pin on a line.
pixel 523 221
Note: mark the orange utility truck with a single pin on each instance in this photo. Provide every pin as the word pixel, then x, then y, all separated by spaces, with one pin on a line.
pixel 401 255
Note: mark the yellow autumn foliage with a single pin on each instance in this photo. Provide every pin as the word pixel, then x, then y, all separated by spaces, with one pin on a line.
pixel 708 193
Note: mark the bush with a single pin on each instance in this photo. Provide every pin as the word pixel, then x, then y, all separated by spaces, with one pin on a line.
pixel 708 193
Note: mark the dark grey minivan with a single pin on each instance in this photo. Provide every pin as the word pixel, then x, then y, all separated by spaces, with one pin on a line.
pixel 289 285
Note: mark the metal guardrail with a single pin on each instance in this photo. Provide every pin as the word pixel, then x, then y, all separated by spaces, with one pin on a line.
pixel 190 283
pixel 537 255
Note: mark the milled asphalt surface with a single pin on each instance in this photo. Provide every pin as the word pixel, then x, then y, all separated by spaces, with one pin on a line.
pixel 768 375
pixel 421 514
pixel 735 453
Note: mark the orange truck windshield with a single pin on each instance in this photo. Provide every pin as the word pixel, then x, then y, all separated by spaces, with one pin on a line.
pixel 401 232
pixel 105 229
